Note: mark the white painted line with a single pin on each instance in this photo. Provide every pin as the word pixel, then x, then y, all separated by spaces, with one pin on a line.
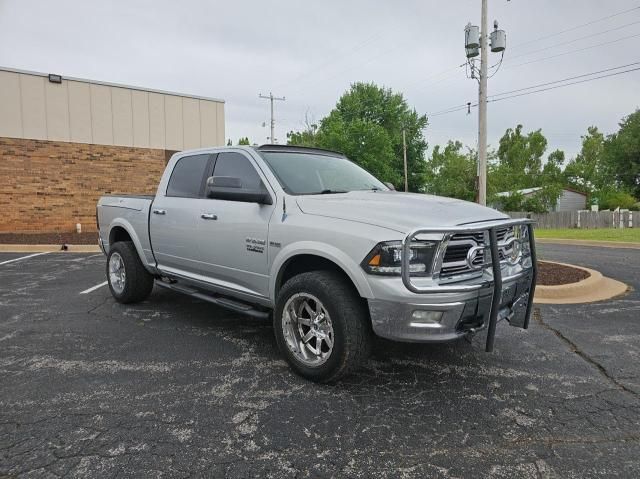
pixel 82 258
pixel 93 288
pixel 22 257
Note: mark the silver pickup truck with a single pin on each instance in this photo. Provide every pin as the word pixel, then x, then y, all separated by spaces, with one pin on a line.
pixel 332 254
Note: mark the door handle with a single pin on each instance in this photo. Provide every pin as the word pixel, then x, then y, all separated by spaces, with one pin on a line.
pixel 208 216
pixel 159 212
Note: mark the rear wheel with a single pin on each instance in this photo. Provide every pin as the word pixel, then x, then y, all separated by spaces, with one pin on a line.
pixel 128 279
pixel 322 326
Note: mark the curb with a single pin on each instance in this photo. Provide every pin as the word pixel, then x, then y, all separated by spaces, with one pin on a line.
pixel 605 244
pixel 48 248
pixel 594 288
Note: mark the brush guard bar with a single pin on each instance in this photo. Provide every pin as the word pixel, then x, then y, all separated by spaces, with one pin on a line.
pixel 496 282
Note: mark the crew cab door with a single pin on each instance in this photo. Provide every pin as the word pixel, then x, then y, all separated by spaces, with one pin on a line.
pixel 233 235
pixel 174 217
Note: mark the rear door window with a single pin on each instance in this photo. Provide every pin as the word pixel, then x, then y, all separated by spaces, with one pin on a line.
pixel 187 178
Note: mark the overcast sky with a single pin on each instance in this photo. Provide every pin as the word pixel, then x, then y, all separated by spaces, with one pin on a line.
pixel 310 52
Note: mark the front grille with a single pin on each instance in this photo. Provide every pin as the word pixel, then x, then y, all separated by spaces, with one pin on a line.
pixel 455 258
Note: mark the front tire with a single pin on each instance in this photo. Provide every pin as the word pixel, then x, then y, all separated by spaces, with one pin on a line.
pixel 128 279
pixel 322 326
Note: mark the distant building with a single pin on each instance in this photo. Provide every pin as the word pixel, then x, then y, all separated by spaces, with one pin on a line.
pixel 569 200
pixel 65 141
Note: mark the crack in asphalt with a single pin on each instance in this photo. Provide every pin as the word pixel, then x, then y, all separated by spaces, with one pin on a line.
pixel 99 305
pixel 573 347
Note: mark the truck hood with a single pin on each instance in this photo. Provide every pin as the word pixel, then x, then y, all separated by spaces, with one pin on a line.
pixel 397 211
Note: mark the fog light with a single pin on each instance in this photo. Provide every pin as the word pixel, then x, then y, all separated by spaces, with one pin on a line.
pixel 426 319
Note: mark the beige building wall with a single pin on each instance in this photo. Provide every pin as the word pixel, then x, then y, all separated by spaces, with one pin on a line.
pixel 105 114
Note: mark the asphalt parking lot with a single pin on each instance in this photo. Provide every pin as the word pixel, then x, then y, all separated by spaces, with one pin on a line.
pixel 175 387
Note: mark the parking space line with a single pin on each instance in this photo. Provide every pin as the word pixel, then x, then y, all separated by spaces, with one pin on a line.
pixel 93 288
pixel 23 257
pixel 82 258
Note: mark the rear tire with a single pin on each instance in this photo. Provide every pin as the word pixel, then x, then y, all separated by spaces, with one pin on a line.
pixel 322 326
pixel 128 279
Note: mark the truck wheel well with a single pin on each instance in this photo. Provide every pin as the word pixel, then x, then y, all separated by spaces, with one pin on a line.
pixel 308 262
pixel 118 234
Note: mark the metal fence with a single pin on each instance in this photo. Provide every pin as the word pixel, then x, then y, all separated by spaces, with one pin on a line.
pixel 582 219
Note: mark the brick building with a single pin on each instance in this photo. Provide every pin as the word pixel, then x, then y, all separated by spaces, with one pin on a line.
pixel 64 142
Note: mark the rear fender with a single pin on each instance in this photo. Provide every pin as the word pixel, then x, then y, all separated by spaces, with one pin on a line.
pixel 124 224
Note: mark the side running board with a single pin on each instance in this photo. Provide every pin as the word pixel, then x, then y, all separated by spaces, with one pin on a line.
pixel 222 301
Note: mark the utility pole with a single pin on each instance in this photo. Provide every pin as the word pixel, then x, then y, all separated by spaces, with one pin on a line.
pixel 404 151
pixel 478 39
pixel 482 110
pixel 273 121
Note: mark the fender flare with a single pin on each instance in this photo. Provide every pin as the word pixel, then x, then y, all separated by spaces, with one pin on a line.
pixel 326 251
pixel 124 224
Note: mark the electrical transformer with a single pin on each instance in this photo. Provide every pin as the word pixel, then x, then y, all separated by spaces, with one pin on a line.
pixel 498 40
pixel 471 36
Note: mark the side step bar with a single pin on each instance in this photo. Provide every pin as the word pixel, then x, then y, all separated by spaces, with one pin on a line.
pixel 222 301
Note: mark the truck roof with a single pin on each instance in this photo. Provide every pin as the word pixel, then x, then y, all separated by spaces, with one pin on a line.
pixel 298 149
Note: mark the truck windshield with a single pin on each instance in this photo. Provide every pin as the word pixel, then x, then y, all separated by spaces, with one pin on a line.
pixel 314 174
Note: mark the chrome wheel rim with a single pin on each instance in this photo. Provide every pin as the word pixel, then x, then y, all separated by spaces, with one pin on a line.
pixel 117 273
pixel 307 328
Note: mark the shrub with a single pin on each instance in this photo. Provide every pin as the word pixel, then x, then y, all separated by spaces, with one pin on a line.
pixel 610 200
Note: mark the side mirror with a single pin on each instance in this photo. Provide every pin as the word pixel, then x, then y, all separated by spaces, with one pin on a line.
pixel 390 186
pixel 230 188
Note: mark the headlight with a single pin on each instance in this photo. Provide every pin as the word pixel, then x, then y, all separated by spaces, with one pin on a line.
pixel 386 257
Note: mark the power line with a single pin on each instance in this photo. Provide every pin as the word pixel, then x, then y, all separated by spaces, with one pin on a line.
pixel 576 40
pixel 597 20
pixel 539 90
pixel 572 51
pixel 461 107
pixel 565 79
pixel 564 85
pixel 553 46
pixel 449 110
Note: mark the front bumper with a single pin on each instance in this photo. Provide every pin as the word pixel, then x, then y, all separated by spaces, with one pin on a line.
pixel 460 314
pixel 431 311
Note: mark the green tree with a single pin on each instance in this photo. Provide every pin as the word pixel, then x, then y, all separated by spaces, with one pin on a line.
pixel 366 125
pixel 304 137
pixel 552 169
pixel 244 141
pixel 451 172
pixel 622 154
pixel 589 171
pixel 518 164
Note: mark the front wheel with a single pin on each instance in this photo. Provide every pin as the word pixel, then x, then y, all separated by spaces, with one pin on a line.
pixel 128 279
pixel 321 325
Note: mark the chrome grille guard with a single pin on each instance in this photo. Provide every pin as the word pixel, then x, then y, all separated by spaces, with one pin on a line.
pixel 490 227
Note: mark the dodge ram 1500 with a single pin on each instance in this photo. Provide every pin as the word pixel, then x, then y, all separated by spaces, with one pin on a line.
pixel 333 255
